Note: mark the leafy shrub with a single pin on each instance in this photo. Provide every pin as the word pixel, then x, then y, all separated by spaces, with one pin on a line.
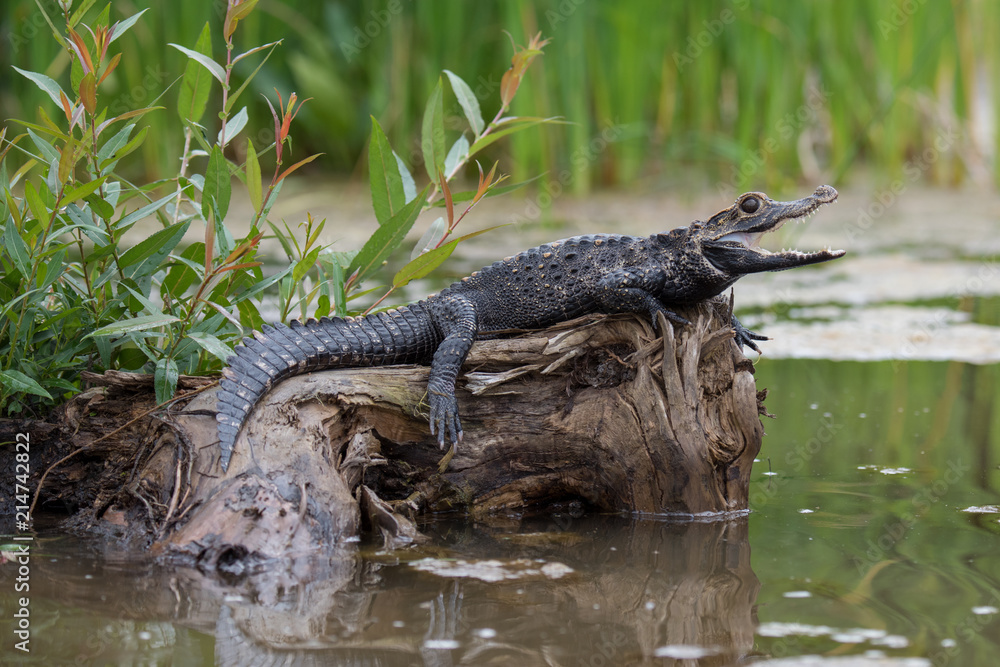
pixel 73 298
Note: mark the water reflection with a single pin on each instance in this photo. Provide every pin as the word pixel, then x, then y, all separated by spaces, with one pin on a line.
pixel 626 592
pixel 637 587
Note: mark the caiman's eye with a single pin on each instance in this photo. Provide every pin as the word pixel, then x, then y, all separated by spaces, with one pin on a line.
pixel 750 205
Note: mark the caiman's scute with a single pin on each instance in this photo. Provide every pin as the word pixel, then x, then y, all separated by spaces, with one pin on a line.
pixel 606 273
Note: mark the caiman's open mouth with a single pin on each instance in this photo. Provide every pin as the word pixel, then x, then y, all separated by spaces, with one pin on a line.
pixel 744 238
pixel 754 215
pixel 752 239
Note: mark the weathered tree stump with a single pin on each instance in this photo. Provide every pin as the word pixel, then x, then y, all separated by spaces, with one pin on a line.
pixel 601 410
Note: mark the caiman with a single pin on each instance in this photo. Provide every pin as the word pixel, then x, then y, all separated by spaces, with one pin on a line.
pixel 606 273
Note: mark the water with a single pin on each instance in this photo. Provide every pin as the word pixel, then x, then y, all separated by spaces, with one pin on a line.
pixel 870 494
pixel 859 546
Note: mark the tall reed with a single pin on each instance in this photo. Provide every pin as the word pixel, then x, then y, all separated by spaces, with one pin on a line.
pixel 739 93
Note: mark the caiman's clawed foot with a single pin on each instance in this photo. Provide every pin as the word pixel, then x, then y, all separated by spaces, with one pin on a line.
pixel 444 420
pixel 671 317
pixel 746 337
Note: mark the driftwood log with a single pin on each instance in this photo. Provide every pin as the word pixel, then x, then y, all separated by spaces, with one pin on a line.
pixel 601 410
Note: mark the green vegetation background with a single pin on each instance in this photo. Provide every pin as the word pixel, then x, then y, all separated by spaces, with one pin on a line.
pixel 728 94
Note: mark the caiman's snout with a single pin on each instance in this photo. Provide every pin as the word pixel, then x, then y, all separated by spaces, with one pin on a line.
pixel 732 235
pixel 773 214
pixel 825 194
pixel 797 210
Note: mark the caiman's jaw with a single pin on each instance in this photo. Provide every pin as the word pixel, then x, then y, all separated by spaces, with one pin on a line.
pixel 730 238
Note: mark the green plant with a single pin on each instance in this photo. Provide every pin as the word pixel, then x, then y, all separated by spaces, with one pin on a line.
pixel 74 297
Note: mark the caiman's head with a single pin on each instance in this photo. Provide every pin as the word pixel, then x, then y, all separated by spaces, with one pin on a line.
pixel 729 239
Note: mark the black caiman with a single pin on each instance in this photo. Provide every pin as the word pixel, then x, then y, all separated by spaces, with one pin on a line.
pixel 607 273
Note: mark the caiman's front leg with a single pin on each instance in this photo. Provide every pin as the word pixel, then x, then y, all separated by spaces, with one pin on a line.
pixel 457 321
pixel 625 291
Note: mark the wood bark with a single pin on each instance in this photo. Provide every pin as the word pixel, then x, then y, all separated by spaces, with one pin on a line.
pixel 602 410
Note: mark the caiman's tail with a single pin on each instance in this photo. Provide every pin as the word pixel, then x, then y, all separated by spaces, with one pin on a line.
pixel 405 335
